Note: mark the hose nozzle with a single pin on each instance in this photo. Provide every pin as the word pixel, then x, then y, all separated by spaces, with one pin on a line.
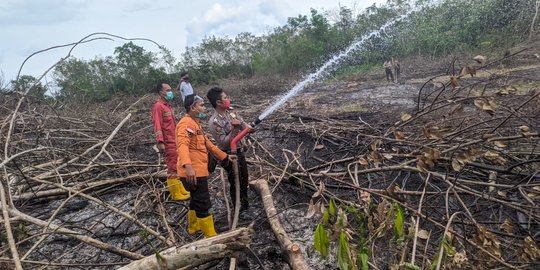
pixel 256 122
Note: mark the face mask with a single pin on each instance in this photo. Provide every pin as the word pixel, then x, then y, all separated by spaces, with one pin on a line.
pixel 169 96
pixel 201 115
pixel 226 103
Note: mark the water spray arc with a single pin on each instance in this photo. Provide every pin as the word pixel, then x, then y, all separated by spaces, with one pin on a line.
pixel 323 70
pixel 294 91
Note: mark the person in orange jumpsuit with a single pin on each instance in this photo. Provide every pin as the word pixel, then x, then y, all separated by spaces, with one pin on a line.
pixel 193 146
pixel 164 128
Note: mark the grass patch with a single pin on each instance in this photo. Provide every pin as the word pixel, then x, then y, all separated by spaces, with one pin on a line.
pixel 347 71
pixel 525 88
pixel 350 107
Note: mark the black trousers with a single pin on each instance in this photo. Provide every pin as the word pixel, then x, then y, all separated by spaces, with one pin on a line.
pixel 389 75
pixel 199 200
pixel 243 177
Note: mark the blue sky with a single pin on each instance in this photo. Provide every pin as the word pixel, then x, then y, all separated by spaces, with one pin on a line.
pixel 27 26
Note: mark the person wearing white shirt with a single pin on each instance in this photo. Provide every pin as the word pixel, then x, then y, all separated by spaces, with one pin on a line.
pixel 185 85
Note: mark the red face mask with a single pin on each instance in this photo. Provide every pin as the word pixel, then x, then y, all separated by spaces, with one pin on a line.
pixel 226 103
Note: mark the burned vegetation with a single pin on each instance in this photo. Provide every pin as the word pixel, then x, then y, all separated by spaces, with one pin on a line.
pixel 449 181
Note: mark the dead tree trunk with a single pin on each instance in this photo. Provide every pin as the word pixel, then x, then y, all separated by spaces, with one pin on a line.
pixel 224 245
pixel 294 253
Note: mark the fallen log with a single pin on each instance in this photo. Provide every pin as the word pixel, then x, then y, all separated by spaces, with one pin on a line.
pixel 293 251
pixel 223 245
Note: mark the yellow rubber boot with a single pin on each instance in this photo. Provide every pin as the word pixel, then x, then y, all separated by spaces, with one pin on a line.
pixel 182 188
pixel 174 187
pixel 192 221
pixel 207 226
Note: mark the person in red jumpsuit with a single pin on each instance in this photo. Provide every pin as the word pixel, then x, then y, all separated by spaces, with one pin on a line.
pixel 164 129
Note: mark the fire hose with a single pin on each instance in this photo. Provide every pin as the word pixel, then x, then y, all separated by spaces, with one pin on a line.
pixel 234 141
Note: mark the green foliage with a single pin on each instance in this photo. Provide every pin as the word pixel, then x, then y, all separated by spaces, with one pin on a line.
pixel 341 221
pixel 399 231
pixel 135 66
pixel 326 217
pixel 30 83
pixel 344 255
pixel 411 266
pixel 363 261
pixel 463 25
pixel 447 250
pixel 353 69
pixel 332 207
pixel 363 256
pixel 132 71
pixel 220 57
pixel 335 224
pixel 434 262
pixel 321 241
pixel 353 246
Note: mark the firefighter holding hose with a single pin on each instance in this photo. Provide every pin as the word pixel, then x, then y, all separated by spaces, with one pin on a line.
pixel 224 126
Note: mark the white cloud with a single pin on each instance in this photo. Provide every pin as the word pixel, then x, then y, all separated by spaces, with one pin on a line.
pixel 218 13
pixel 254 16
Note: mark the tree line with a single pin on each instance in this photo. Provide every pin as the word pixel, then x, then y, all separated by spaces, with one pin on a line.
pixel 301 45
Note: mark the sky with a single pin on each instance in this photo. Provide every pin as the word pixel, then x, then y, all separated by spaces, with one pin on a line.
pixel 27 26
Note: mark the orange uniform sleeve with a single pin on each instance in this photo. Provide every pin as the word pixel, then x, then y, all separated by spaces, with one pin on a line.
pixel 182 143
pixel 218 153
pixel 157 117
